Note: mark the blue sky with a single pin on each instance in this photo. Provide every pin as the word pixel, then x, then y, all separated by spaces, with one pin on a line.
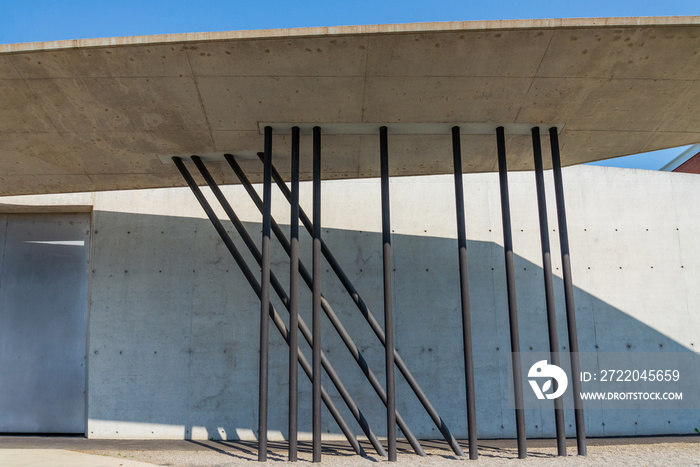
pixel 35 20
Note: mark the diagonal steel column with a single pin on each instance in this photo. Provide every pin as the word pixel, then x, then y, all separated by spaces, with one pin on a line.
pixel 464 289
pixel 548 286
pixel 277 287
pixel 333 318
pixel 388 296
pixel 568 293
pixel 253 282
pixel 265 299
pixel 365 311
pixel 512 304
pixel 293 298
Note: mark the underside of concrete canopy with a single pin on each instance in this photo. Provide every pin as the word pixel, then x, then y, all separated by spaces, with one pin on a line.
pixel 107 114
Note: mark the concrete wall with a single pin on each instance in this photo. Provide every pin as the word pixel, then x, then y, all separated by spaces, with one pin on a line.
pixel 173 325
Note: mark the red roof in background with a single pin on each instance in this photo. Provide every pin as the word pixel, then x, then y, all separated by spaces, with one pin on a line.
pixel 691 166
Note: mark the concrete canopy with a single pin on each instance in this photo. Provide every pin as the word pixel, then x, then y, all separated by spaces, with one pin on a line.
pixel 96 114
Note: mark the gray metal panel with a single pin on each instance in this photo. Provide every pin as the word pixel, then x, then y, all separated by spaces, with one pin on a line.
pixel 43 322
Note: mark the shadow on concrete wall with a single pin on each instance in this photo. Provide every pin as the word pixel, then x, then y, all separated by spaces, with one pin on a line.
pixel 173 335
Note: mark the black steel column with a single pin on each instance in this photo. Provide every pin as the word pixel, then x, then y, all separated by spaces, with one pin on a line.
pixel 512 304
pixel 464 288
pixel 265 299
pixel 388 297
pixel 316 295
pixel 568 293
pixel 548 286
pixel 294 298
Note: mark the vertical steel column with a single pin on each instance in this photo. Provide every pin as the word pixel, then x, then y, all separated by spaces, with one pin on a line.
pixel 548 286
pixel 316 295
pixel 512 304
pixel 265 298
pixel 568 293
pixel 294 298
pixel 464 289
pixel 388 297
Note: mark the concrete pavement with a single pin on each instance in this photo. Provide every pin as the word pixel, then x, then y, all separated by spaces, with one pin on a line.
pixel 30 451
pixel 61 458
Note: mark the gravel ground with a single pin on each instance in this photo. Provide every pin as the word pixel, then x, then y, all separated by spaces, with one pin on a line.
pixel 230 454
